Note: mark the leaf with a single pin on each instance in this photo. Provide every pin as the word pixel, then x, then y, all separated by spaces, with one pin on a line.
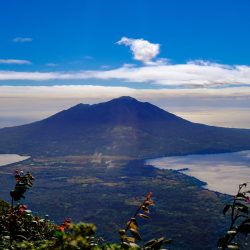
pixel 155 244
pixel 150 243
pixel 135 233
pixel 242 208
pixel 145 209
pixel 130 239
pixel 233 247
pixel 144 216
pixel 240 196
pixel 21 237
pixel 151 202
pixel 244 228
pixel 226 208
pixel 132 224
pixel 222 242
pixel 232 232
pixel 148 196
pixel 134 246
pixel 167 241
pixel 125 245
pixel 246 221
pixel 122 233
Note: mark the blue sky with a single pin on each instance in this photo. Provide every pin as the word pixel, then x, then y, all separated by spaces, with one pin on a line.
pixel 81 34
pixel 195 51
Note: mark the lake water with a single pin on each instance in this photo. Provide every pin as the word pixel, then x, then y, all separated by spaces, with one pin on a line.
pixel 6 159
pixel 221 172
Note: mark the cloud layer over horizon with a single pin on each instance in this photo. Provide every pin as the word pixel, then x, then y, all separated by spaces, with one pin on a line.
pixel 192 74
pixel 227 107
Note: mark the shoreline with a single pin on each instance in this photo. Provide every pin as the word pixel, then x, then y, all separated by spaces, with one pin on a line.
pixel 218 172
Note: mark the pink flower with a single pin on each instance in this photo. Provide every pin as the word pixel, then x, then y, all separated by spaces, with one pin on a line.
pixel 22 209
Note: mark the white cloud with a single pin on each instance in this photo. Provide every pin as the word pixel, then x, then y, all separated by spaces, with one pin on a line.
pixel 190 74
pixel 14 61
pixel 22 39
pixel 142 50
pixel 105 92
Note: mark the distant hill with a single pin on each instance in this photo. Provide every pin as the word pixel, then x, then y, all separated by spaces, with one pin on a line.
pixel 122 126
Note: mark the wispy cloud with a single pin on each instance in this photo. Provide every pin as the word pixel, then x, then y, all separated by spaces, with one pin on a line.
pixel 190 74
pixel 104 92
pixel 14 61
pixel 22 39
pixel 141 49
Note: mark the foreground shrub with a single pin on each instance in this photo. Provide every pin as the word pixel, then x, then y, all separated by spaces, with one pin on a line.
pixel 238 211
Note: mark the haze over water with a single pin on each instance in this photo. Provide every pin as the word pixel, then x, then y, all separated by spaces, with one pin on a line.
pixel 221 172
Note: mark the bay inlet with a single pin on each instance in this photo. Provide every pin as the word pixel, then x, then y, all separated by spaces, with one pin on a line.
pixel 222 172
pixel 6 159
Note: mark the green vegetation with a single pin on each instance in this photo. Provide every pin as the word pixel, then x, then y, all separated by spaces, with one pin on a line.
pixel 181 202
pixel 239 219
pixel 19 229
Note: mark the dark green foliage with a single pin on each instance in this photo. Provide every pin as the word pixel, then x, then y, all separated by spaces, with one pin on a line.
pixel 16 222
pixel 23 183
pixel 238 210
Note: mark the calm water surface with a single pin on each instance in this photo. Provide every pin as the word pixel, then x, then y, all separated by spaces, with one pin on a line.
pixel 11 158
pixel 221 172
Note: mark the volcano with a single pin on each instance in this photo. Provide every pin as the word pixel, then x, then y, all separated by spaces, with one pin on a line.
pixel 122 126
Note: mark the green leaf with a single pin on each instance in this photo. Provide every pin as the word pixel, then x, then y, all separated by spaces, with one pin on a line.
pixel 232 232
pixel 156 244
pixel 167 241
pixel 222 242
pixel 246 221
pixel 240 196
pixel 242 208
pixel 150 243
pixel 21 237
pixel 135 233
pixel 226 208
pixel 145 209
pixel 130 239
pixel 122 233
pixel 233 246
pixel 144 216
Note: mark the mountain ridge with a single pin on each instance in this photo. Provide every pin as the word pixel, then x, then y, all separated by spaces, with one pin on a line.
pixel 121 126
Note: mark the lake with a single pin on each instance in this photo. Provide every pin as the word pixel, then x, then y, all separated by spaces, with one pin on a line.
pixel 6 159
pixel 222 172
